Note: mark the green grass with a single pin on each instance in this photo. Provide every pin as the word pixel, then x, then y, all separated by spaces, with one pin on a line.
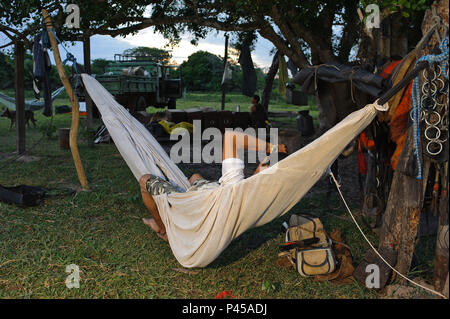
pixel 213 99
pixel 119 257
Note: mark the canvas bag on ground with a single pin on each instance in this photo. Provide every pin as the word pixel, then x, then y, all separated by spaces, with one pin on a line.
pixel 317 259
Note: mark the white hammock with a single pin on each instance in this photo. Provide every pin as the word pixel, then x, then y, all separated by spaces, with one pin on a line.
pixel 201 224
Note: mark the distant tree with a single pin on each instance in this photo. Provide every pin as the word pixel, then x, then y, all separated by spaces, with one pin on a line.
pixel 98 66
pixel 160 54
pixel 202 71
pixel 6 71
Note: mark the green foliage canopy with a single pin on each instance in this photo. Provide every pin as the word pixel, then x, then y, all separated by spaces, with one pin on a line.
pixel 203 71
pixel 160 54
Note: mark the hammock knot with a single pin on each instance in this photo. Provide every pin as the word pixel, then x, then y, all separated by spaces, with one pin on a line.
pixel 381 108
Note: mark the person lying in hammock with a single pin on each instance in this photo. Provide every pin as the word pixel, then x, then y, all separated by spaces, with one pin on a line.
pixel 232 172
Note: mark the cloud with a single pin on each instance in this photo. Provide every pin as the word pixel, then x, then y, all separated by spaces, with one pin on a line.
pixel 214 43
pixel 105 47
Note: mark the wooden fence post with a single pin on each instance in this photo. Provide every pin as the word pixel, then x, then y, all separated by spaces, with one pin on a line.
pixel 73 101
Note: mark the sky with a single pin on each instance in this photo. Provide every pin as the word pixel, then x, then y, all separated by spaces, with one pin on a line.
pixel 106 46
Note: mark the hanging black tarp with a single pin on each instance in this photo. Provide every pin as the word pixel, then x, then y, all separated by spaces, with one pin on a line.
pixel 339 89
pixel 361 79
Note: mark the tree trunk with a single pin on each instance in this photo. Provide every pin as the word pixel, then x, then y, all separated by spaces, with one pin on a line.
pixel 224 65
pixel 440 274
pixel 399 38
pixel 270 76
pixel 402 215
pixel 19 60
pixel 401 218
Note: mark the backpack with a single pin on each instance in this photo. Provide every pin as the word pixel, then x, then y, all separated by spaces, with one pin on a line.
pixel 309 247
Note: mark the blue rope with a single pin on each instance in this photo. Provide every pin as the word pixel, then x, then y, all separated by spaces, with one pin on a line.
pixel 441 58
pixel 69 57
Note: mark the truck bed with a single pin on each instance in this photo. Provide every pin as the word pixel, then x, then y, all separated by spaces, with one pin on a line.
pixel 122 84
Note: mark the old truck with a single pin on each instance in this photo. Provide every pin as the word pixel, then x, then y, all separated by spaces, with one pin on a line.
pixel 141 81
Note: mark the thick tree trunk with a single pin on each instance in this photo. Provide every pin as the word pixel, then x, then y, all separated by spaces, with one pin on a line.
pixel 270 76
pixel 401 218
pixel 399 38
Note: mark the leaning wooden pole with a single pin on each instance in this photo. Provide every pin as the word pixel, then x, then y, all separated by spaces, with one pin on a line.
pixel 73 101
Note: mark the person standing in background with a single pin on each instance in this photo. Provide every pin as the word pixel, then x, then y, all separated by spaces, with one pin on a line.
pixel 258 115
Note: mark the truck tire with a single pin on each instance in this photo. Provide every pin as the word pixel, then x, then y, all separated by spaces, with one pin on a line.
pixel 141 103
pixel 172 104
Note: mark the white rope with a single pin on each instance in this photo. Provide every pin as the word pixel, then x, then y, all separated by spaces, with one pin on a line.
pixel 374 249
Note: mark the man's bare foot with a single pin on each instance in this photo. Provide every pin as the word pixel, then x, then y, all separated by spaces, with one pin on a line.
pixel 150 222
pixel 163 237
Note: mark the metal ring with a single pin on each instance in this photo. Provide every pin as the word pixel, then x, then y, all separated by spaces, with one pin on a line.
pixel 438 66
pixel 426 85
pixel 424 98
pixel 436 142
pixel 443 83
pixel 425 75
pixel 411 115
pixel 443 134
pixel 438 133
pixel 429 114
pixel 438 104
pixel 434 88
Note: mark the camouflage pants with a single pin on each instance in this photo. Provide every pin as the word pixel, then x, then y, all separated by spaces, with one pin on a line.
pixel 201 184
pixel 156 186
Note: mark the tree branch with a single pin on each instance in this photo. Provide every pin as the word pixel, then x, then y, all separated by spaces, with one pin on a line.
pixel 6 45
pixel 291 38
pixel 173 20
